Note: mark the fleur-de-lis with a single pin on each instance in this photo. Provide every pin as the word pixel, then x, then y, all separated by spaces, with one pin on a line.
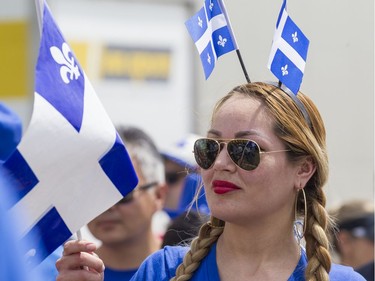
pixel 200 22
pixel 208 58
pixel 69 67
pixel 294 37
pixel 211 5
pixel 284 70
pixel 222 41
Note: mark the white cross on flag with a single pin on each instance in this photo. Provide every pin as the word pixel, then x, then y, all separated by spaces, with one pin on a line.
pixel 71 164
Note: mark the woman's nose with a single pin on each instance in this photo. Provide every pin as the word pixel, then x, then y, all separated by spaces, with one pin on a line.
pixel 223 161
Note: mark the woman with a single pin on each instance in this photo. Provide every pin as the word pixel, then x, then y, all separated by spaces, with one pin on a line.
pixel 263 167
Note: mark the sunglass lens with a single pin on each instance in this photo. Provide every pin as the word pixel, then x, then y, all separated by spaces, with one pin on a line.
pixel 244 153
pixel 205 152
pixel 172 178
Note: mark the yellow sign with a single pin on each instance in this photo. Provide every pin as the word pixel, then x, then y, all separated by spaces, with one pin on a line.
pixel 135 63
pixel 14 81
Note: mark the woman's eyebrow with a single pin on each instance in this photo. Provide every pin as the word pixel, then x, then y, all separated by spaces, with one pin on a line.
pixel 242 134
pixel 214 132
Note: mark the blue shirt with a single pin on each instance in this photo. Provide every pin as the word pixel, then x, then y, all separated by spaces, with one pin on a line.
pixel 118 275
pixel 161 266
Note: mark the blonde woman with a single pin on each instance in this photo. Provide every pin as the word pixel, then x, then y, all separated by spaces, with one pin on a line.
pixel 263 164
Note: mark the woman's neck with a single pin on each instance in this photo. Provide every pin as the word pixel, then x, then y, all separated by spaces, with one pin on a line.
pixel 256 253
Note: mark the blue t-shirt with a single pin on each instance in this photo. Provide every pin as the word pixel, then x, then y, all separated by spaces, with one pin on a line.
pixel 161 266
pixel 118 275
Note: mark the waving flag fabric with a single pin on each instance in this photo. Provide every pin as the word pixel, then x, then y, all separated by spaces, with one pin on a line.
pixel 71 164
pixel 211 33
pixel 289 52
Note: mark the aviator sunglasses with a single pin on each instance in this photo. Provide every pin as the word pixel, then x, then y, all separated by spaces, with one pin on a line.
pixel 130 196
pixel 244 153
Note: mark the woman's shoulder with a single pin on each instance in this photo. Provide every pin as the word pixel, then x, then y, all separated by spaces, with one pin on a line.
pixel 161 265
pixel 341 272
pixel 170 254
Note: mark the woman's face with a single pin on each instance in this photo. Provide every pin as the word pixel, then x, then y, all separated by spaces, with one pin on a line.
pixel 265 193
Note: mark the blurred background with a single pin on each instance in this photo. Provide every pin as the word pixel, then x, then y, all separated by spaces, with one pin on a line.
pixel 146 70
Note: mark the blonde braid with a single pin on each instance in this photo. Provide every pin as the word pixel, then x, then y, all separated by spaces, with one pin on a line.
pixel 317 244
pixel 200 246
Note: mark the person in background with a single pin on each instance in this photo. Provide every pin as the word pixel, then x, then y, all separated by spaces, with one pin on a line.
pixel 354 237
pixel 13 263
pixel 264 164
pixel 125 230
pixel 182 178
pixel 186 208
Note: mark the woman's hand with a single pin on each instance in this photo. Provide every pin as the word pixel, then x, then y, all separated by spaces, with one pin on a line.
pixel 79 262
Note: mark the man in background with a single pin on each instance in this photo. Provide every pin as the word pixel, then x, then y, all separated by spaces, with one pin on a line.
pixel 354 240
pixel 125 230
pixel 182 178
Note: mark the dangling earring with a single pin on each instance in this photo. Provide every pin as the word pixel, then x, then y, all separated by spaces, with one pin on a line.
pixel 299 226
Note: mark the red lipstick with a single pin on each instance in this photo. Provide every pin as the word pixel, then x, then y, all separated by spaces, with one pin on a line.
pixel 222 187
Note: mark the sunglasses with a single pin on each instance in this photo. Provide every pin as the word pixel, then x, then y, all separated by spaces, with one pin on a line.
pixel 244 153
pixel 130 196
pixel 172 178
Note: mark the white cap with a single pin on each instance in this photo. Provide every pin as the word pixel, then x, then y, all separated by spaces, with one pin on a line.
pixel 181 151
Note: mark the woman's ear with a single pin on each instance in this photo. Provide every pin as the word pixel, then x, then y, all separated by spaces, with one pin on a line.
pixel 160 195
pixel 306 170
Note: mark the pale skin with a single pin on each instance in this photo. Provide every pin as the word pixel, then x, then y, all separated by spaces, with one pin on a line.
pixel 257 242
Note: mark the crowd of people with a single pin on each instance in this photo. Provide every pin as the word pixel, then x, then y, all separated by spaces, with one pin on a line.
pixel 263 166
pixel 245 202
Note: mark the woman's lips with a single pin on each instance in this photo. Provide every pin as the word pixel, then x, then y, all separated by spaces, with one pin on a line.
pixel 222 187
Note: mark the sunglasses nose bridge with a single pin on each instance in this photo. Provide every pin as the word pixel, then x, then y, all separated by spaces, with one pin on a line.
pixel 222 145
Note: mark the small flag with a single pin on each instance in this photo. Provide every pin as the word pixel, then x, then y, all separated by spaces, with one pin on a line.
pixel 71 165
pixel 289 52
pixel 211 32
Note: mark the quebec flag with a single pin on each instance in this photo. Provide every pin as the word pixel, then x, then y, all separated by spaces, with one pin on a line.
pixel 70 165
pixel 211 34
pixel 289 52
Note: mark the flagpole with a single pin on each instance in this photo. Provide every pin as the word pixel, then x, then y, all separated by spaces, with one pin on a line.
pixel 243 66
pixel 39 5
pixel 79 238
pixel 222 5
pixel 79 235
